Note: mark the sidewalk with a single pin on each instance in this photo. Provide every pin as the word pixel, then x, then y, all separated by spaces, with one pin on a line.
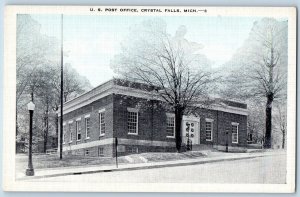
pixel 214 157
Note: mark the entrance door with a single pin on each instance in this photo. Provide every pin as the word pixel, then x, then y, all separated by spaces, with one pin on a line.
pixel 191 130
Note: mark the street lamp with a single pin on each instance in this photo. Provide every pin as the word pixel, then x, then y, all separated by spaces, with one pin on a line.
pixel 30 170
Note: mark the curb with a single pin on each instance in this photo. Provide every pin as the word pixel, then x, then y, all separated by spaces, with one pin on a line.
pixel 144 167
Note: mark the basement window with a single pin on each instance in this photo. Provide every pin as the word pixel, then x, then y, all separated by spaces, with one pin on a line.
pixel 100 151
pixel 132 150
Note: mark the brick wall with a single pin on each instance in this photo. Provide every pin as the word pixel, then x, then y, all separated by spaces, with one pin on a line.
pixel 225 120
pixel 92 110
pixel 155 113
pixel 151 126
pixel 222 123
pixel 108 151
pixel 151 119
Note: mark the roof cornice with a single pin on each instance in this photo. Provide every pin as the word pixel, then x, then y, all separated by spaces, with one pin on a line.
pixel 110 88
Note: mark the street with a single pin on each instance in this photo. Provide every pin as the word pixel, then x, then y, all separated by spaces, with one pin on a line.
pixel 267 169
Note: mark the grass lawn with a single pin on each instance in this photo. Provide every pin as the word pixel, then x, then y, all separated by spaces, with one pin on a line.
pixel 53 161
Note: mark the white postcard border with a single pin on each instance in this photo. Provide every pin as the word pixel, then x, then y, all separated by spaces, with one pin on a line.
pixel 9 182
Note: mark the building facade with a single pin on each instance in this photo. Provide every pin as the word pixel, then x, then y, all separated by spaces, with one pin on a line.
pixel 142 123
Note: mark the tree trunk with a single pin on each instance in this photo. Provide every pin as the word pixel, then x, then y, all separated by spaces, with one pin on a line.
pixel 270 98
pixel 31 94
pixel 56 127
pixel 178 120
pixel 283 139
pixel 152 119
pixel 46 130
pixel 46 134
pixel 65 97
pixel 17 128
pixel 268 136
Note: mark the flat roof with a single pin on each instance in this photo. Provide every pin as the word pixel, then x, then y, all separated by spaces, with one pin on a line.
pixel 135 89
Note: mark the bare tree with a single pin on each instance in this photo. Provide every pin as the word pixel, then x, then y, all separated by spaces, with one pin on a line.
pixel 171 65
pixel 260 68
pixel 38 78
pixel 74 84
pixel 34 51
pixel 281 121
pixel 256 121
pixel 46 97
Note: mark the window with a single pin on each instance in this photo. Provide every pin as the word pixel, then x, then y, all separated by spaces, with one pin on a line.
pixel 78 130
pixel 102 122
pixel 170 126
pixel 209 129
pixel 235 132
pixel 132 150
pixel 100 151
pixel 132 122
pixel 64 133
pixel 71 131
pixel 87 126
pixel 64 137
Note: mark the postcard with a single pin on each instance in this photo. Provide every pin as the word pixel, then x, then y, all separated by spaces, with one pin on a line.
pixel 149 99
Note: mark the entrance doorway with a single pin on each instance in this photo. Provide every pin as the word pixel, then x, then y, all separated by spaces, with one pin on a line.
pixel 191 130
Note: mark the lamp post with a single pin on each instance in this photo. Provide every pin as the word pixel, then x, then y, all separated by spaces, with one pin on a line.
pixel 30 170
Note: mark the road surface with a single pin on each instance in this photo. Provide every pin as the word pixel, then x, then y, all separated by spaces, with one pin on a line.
pixel 268 169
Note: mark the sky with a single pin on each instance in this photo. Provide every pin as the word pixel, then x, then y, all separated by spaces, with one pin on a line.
pixel 91 41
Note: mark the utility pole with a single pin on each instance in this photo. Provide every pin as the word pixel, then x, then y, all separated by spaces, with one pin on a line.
pixel 61 92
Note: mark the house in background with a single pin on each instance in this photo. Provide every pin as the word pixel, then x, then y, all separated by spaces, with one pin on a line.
pixel 142 123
